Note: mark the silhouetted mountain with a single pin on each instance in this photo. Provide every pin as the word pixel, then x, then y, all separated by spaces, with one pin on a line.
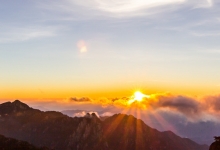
pixel 132 133
pixel 13 144
pixel 16 106
pixel 51 129
pixel 58 131
pixel 215 145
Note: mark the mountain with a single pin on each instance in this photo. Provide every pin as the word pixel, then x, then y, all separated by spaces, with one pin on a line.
pixel 58 131
pixel 215 145
pixel 13 144
pixel 51 129
pixel 132 133
pixel 200 131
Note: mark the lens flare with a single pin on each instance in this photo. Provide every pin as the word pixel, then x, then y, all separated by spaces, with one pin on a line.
pixel 82 46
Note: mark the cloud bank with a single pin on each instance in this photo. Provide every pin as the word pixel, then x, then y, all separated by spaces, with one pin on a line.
pixel 187 106
pixel 193 117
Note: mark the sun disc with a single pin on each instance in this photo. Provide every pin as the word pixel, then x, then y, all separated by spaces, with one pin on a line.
pixel 138 96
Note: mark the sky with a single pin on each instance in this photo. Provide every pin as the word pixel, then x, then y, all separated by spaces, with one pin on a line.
pixel 92 55
pixel 96 48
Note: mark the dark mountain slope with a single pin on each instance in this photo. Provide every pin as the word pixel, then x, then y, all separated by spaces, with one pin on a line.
pixel 52 129
pixel 134 134
pixel 215 145
pixel 13 144
pixel 58 131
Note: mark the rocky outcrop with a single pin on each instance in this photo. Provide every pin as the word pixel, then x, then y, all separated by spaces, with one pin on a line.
pixel 58 131
pixel 88 135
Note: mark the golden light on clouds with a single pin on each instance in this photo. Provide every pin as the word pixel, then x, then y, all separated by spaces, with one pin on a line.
pixel 138 96
pixel 82 46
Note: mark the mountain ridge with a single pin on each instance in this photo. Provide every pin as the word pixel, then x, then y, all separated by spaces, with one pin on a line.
pixel 56 130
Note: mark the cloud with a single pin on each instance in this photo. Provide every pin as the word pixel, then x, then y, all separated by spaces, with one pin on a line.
pixel 212 103
pixel 20 34
pixel 107 114
pixel 132 8
pixel 182 104
pixel 193 109
pixel 124 6
pixel 186 116
pixel 206 34
pixel 82 99
pixel 79 114
pixel 84 113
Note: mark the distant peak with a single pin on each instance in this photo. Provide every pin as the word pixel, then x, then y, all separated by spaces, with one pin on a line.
pixel 20 105
pixel 17 101
pixel 12 107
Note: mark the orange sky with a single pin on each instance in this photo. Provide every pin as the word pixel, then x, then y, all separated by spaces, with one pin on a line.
pixel 103 91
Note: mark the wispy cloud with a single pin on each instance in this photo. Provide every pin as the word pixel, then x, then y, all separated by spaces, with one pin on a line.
pixel 124 6
pixel 19 34
pixel 206 34
pixel 82 99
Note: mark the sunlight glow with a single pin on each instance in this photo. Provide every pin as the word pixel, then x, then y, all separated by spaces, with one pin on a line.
pixel 138 96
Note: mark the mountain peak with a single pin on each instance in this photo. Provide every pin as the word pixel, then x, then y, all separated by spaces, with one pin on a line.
pixel 17 101
pixel 10 107
pixel 20 105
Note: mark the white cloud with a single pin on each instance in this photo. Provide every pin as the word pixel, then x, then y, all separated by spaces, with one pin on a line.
pixel 123 6
pixel 74 10
pixel 83 113
pixel 130 8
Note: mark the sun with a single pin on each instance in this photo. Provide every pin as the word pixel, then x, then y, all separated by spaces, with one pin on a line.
pixel 138 96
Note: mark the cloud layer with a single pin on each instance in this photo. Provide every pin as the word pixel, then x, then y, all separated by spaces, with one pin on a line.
pixel 187 106
pixel 186 116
